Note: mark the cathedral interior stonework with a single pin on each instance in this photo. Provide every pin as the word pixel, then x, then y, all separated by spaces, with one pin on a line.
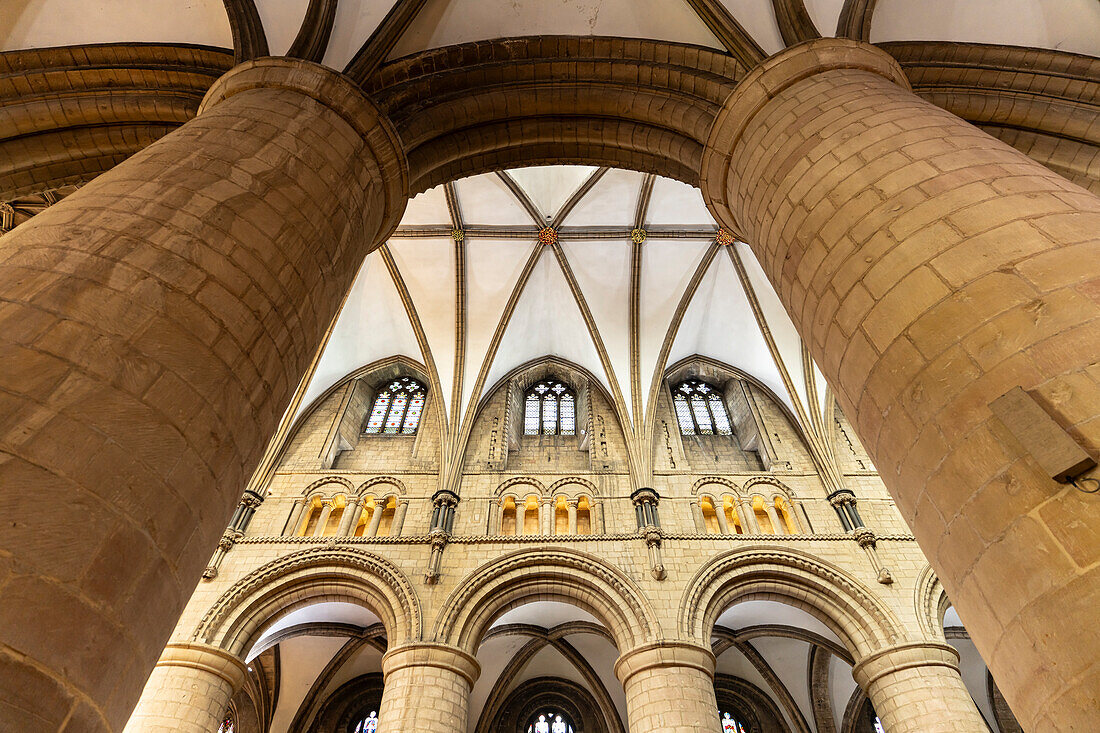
pixel 601 366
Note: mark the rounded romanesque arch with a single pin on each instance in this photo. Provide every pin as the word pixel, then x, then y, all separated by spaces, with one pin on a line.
pixel 511 486
pixel 477 107
pixel 346 487
pixel 549 574
pixel 930 602
pixel 841 602
pixel 367 486
pixel 767 486
pixel 705 481
pixel 587 487
pixel 306 577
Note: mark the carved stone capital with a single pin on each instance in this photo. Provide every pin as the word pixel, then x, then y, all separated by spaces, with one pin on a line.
pixel 864 536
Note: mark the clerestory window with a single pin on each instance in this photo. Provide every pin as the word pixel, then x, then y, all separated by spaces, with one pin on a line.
pixel 397 408
pixel 700 410
pixel 550 408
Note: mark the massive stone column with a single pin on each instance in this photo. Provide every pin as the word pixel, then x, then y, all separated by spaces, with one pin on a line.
pixel 916 688
pixel 931 269
pixel 189 690
pixel 669 688
pixel 154 325
pixel 427 689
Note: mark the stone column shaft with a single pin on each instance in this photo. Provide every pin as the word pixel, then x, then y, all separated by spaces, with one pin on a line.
pixel 155 324
pixel 748 517
pixel 427 689
pixel 931 269
pixel 697 517
pixel 723 521
pixel 376 518
pixel 322 520
pixel 348 519
pixel 546 517
pixel 572 509
pixel 295 522
pixel 189 690
pixel 399 517
pixel 916 688
pixel 669 688
pixel 778 527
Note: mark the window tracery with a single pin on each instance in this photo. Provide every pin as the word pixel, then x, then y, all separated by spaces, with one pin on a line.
pixel 397 408
pixel 550 408
pixel 227 724
pixel 699 409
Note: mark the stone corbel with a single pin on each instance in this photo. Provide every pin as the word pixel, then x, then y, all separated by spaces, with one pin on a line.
pixel 225 544
pixel 443 521
pixel 866 539
pixel 653 543
pixel 649 524
pixel 250 502
pixel 439 539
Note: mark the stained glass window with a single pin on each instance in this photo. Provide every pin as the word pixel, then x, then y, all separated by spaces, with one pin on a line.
pixel 227 724
pixel 549 721
pixel 550 408
pixel 397 408
pixel 700 410
pixel 731 724
pixel 878 726
pixel 368 724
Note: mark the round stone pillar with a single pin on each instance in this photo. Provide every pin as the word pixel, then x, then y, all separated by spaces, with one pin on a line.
pixel 931 269
pixel 189 690
pixel 427 689
pixel 916 688
pixel 155 324
pixel 669 688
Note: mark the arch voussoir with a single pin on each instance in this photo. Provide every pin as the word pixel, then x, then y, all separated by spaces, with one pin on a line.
pixel 314 575
pixel 550 574
pixel 796 579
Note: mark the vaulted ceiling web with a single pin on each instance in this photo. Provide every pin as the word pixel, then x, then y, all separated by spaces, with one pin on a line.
pixel 444 22
pixel 473 308
pixel 546 321
pixel 719 323
pixel 746 28
pixel 493 269
pixel 370 327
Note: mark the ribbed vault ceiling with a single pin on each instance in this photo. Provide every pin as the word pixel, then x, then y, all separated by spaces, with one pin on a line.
pixel 1066 25
pixel 473 310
